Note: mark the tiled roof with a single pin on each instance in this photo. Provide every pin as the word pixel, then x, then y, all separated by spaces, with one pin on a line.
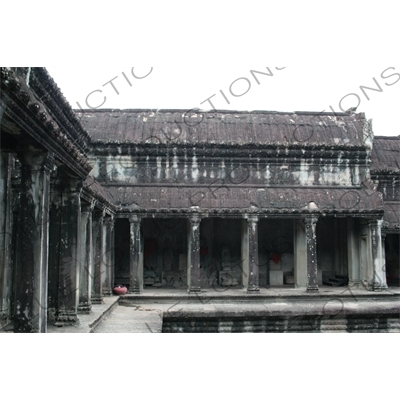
pixel 392 215
pixel 386 154
pixel 197 127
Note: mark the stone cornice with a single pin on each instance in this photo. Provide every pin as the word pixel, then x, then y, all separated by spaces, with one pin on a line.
pixel 246 213
pixel 352 153
pixel 32 115
pixel 50 94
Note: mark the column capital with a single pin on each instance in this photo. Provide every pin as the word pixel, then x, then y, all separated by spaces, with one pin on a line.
pixel 112 220
pixel 86 207
pixel 311 219
pixel 72 185
pixel 252 218
pixel 98 213
pixel 134 219
pixel 375 222
pixel 194 219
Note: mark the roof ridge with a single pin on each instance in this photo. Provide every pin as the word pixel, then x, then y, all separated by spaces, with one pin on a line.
pixel 166 110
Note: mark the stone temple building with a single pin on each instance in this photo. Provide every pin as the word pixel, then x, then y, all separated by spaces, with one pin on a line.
pixel 185 200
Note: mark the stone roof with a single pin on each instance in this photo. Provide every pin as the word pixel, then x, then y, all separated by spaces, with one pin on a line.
pixel 386 154
pixel 392 215
pixel 220 127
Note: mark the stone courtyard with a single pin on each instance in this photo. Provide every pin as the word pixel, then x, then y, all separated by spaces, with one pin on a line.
pixel 214 221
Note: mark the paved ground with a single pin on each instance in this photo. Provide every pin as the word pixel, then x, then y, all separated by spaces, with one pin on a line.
pixel 88 322
pixel 131 320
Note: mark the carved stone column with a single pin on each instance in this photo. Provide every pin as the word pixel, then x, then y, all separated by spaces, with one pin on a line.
pixel 136 266
pixel 300 254
pixel 353 253
pixel 111 255
pixel 6 221
pixel 98 246
pixel 107 265
pixel 254 274
pixel 33 237
pixel 245 254
pixel 378 262
pixel 312 264
pixel 69 265
pixel 193 273
pixel 86 259
pixel 384 268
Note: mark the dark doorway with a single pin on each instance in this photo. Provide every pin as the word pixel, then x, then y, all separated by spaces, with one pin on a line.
pixel 392 245
pixel 122 252
pixel 276 252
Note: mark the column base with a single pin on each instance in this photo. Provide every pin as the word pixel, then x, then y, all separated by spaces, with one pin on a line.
pixel 312 290
pixel 135 291
pixel 66 318
pixel 84 308
pixel 107 292
pixel 253 290
pixel 194 290
pixel 379 288
pixel 97 300
pixel 355 284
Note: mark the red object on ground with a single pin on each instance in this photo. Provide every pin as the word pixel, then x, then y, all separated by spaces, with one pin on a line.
pixel 120 290
pixel 276 258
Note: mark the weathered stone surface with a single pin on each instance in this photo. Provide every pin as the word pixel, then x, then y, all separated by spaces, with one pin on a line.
pixel 70 257
pixel 194 255
pixel 32 252
pixel 136 272
pixel 314 193
pixel 86 259
pixel 98 248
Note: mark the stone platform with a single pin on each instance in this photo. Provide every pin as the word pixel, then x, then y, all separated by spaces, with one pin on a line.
pixel 234 310
pixel 273 310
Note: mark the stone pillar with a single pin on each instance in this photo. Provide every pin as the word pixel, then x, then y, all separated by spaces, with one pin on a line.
pixel 105 284
pixel 353 253
pixel 5 236
pixel 312 265
pixel 98 246
pixel 136 266
pixel 193 273
pixel 379 282
pixel 70 242
pixel 54 248
pixel 254 275
pixel 384 256
pixel 111 254
pixel 85 259
pixel 305 258
pixel 33 237
pixel 245 255
pixel 300 254
pixel 108 259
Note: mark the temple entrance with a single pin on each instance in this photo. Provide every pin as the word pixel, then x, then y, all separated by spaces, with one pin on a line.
pixel 165 253
pixel 332 252
pixel 392 244
pixel 220 253
pixel 276 252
